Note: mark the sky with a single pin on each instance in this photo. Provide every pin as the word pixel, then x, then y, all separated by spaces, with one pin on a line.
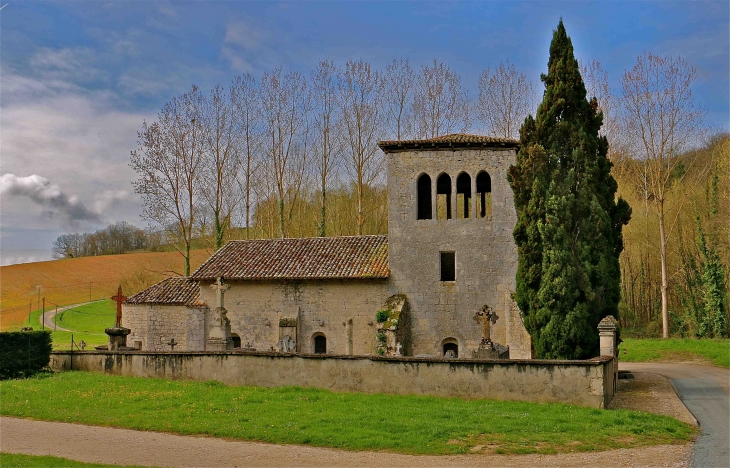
pixel 78 78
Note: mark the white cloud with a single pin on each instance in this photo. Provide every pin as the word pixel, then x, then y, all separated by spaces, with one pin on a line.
pixel 241 35
pixel 74 136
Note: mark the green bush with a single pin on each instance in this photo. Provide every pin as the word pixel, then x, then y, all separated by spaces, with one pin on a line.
pixel 381 316
pixel 24 353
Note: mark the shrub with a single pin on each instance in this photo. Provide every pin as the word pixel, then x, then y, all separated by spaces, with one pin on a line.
pixel 381 316
pixel 381 337
pixel 23 354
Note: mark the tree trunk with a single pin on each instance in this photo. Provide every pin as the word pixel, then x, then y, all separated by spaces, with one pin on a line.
pixel 663 241
pixel 360 217
pixel 187 259
pixel 323 213
pixel 281 218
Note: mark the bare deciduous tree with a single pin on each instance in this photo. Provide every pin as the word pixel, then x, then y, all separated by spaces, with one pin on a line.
pixel 361 92
pixel 326 116
pixel 661 119
pixel 506 97
pixel 220 125
pixel 440 104
pixel 596 81
pixel 167 164
pixel 285 107
pixel 400 80
pixel 245 99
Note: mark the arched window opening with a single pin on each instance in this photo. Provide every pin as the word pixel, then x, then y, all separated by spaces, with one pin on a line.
pixel 484 195
pixel 425 210
pixel 450 348
pixel 236 340
pixel 320 344
pixel 443 197
pixel 463 196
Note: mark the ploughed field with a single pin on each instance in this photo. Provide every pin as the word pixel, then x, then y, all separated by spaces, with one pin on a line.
pixel 352 421
pixel 75 280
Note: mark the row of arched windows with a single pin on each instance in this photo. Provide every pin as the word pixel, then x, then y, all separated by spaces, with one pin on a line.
pixel 464 197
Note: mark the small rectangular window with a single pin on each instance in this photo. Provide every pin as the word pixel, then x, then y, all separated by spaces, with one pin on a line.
pixel 448 266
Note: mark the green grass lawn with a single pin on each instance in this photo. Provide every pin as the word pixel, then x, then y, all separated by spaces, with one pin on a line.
pixel 16 460
pixel 716 352
pixel 87 321
pixel 353 421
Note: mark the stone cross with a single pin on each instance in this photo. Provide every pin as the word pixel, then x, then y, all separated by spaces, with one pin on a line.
pixel 487 317
pixel 220 288
pixel 119 298
pixel 172 344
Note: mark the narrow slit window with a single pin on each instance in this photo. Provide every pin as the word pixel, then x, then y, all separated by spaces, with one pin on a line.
pixel 448 266
pixel 463 196
pixel 443 197
pixel 484 195
pixel 425 210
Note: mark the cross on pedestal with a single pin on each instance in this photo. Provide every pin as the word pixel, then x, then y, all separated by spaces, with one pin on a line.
pixel 487 317
pixel 119 298
pixel 220 288
pixel 172 344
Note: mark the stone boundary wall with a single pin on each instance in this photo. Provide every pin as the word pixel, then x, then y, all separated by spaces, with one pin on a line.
pixel 586 383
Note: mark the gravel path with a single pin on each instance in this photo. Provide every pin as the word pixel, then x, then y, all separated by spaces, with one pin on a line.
pixel 108 445
pixel 704 389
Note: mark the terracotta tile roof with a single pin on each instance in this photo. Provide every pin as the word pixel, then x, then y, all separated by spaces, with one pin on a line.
pixel 453 141
pixel 355 257
pixel 176 290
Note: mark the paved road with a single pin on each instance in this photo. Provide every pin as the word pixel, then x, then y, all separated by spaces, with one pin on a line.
pixel 705 391
pixel 48 317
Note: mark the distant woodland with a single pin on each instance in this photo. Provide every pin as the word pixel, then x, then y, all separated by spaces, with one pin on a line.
pixel 295 155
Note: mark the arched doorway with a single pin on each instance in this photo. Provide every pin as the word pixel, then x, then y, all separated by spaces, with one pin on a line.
pixel 450 348
pixel 320 344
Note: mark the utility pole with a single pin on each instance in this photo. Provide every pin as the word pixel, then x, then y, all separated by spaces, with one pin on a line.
pixel 89 291
pixel 55 317
pixel 43 314
pixel 30 309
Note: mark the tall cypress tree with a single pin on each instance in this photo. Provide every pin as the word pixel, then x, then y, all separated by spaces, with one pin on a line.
pixel 569 224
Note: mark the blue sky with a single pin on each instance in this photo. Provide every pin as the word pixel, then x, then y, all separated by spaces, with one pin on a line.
pixel 78 78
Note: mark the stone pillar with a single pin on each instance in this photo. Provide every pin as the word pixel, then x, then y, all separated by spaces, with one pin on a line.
pixel 609 347
pixel 607 334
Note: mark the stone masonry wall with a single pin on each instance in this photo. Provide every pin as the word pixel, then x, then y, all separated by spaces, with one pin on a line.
pixel 323 307
pixel 486 255
pixel 155 325
pixel 573 382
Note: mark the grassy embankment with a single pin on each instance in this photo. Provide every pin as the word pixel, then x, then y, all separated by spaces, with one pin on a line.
pixel 352 421
pixel 87 322
pixel 16 460
pixel 76 280
pixel 714 352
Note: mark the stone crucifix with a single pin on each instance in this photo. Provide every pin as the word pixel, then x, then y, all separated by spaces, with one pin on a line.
pixel 119 299
pixel 487 317
pixel 220 288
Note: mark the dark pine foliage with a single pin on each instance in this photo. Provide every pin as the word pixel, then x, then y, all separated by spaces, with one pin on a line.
pixel 24 353
pixel 569 224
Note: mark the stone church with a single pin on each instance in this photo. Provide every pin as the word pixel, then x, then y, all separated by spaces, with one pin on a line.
pixel 438 284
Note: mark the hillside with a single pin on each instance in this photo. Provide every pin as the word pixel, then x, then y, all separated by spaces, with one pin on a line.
pixel 74 280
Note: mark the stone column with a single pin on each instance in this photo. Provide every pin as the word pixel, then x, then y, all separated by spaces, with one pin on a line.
pixel 607 334
pixel 609 346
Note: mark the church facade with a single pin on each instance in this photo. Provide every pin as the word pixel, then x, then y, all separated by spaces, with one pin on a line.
pixel 423 289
